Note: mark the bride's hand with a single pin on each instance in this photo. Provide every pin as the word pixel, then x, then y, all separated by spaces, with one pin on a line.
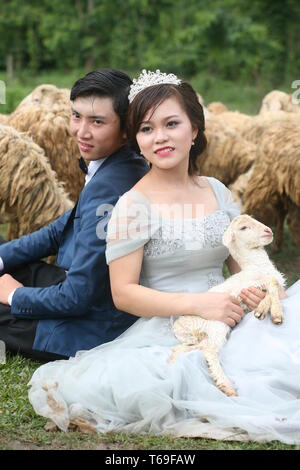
pixel 219 306
pixel 252 297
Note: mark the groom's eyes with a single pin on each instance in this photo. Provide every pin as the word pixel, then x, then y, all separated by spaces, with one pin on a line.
pixel 75 115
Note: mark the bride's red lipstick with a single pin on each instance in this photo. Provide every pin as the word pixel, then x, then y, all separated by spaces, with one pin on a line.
pixel 164 151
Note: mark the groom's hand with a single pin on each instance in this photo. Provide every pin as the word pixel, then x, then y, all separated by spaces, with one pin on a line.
pixel 252 297
pixel 7 285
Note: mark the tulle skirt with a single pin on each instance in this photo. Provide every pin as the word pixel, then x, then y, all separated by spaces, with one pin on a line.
pixel 130 385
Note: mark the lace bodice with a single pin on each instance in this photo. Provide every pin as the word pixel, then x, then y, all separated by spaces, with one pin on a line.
pixel 180 255
pixel 187 234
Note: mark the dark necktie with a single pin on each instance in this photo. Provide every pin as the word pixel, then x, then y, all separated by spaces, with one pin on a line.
pixel 83 165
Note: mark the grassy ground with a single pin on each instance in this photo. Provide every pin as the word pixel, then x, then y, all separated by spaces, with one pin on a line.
pixel 20 428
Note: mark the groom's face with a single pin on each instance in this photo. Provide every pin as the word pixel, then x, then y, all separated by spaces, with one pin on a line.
pixel 96 127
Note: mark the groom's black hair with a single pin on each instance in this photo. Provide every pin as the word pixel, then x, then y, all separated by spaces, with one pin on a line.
pixel 109 83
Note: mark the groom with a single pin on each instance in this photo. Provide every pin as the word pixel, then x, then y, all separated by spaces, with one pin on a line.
pixel 69 307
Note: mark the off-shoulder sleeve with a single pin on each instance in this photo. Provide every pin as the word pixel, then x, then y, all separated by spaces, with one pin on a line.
pixel 225 198
pixel 131 226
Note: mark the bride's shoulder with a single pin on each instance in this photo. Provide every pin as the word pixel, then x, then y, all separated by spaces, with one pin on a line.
pixel 132 197
pixel 208 181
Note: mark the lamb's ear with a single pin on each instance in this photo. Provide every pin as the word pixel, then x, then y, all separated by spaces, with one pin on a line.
pixel 228 237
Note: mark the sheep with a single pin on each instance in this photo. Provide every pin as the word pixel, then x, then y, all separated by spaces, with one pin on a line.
pixel 245 238
pixel 232 119
pixel 279 101
pixel 49 128
pixel 275 179
pixel 30 194
pixel 270 206
pixel 266 213
pixel 227 155
pixel 216 107
pixel 47 95
pixel 254 129
pixel 3 118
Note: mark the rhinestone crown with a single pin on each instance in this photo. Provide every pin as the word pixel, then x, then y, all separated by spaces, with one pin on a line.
pixel 147 79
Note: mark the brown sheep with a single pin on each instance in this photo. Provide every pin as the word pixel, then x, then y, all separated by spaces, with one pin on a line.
pixel 3 118
pixel 50 129
pixel 279 101
pixel 227 155
pixel 30 194
pixel 47 95
pixel 271 213
pixel 216 107
pixel 254 129
pixel 232 119
pixel 275 180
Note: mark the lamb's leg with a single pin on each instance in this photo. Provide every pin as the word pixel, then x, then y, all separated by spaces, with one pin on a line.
pixel 83 426
pixel 276 309
pixel 182 348
pixel 212 358
pixel 263 308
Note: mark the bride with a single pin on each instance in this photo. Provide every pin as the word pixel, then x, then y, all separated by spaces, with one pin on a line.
pixel 164 252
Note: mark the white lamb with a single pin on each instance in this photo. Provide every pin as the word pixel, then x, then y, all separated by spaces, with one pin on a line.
pixel 245 239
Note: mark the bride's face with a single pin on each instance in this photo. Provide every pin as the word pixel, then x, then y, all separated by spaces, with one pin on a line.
pixel 165 136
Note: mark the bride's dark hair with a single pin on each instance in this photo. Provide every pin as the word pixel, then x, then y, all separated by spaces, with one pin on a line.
pixel 152 97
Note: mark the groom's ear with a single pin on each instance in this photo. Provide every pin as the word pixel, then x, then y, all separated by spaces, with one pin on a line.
pixel 228 237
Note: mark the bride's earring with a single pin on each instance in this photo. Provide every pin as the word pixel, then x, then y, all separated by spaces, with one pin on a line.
pixel 193 143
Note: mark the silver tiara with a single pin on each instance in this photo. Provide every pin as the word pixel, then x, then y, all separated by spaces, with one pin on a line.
pixel 147 79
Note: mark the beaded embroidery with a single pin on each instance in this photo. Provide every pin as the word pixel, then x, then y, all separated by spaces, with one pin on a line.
pixel 175 234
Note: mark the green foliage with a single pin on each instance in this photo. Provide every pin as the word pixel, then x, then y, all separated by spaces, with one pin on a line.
pixel 247 40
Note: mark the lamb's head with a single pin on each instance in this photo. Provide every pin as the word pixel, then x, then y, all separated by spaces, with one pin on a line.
pixel 246 232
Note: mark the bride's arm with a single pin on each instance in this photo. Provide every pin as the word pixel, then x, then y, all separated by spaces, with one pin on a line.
pixel 232 265
pixel 130 296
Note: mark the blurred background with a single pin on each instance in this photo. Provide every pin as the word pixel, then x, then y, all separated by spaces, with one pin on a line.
pixel 234 52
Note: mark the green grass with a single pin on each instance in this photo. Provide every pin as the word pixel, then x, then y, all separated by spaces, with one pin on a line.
pixel 21 428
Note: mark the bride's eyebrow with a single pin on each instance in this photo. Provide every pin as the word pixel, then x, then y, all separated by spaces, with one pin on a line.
pixel 165 119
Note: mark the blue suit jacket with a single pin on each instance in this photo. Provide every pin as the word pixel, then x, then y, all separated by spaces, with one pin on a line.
pixel 78 313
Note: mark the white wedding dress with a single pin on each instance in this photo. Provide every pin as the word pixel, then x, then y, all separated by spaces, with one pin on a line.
pixel 130 385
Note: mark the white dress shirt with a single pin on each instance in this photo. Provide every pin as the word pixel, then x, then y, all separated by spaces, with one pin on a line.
pixel 92 168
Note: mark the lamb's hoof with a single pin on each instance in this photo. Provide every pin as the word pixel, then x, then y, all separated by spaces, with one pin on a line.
pixel 277 320
pixel 228 390
pixel 50 426
pixel 260 314
pixel 82 425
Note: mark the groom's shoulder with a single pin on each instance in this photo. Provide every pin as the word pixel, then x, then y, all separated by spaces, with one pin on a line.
pixel 115 176
pixel 126 158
